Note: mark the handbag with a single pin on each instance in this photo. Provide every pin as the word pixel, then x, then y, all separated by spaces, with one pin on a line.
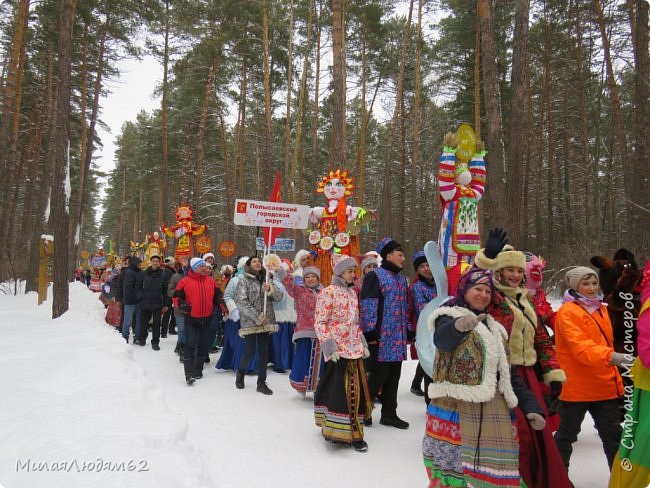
pixel 114 314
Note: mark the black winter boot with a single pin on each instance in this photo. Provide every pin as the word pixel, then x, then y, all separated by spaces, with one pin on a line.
pixel 239 380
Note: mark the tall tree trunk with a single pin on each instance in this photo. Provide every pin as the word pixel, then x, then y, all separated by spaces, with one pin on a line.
pixel 203 125
pixel 300 116
pixel 619 128
pixel 640 195
pixel 415 158
pixel 547 100
pixel 88 150
pixel 266 159
pixel 518 147
pixel 496 204
pixel 337 154
pixel 10 118
pixel 477 80
pixel 241 124
pixel 315 111
pixel 361 147
pixel 164 107
pixel 59 157
pixel 287 122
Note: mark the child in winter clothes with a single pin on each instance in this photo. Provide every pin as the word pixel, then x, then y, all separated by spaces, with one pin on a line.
pixel 307 357
pixel 531 352
pixel 584 342
pixel 342 399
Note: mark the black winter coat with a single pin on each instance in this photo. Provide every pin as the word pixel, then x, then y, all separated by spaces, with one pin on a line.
pixel 154 289
pixel 132 283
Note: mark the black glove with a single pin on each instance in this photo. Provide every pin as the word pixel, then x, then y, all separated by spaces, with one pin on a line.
pixel 371 336
pixel 410 335
pixel 556 389
pixel 185 307
pixel 497 238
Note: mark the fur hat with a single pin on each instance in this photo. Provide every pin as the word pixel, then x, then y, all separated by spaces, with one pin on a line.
pixel 298 257
pixel 196 263
pixel 341 262
pixel 311 270
pixel 169 261
pixel 242 262
pixel 418 259
pixel 226 269
pixel 386 246
pixel 574 276
pixel 367 261
pixel 507 258
pixel 207 255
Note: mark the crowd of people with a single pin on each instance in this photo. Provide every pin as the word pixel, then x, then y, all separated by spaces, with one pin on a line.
pixel 512 379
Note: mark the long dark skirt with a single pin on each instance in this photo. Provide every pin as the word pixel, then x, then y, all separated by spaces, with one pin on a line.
pixel 233 349
pixel 307 365
pixel 281 354
pixel 342 400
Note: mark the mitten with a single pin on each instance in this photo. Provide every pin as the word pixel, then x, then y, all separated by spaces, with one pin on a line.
pixel 618 359
pixel 335 356
pixel 366 353
pixel 497 238
pixel 556 389
pixel 537 422
pixel 467 323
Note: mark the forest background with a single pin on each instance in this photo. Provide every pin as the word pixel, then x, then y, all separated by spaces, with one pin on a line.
pixel 559 90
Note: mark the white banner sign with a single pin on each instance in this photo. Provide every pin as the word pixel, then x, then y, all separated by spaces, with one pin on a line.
pixel 271 214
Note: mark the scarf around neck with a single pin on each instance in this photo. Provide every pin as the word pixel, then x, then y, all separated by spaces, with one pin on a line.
pixel 589 304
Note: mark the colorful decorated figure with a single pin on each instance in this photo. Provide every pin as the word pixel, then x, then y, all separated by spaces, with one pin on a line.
pixel 184 230
pixel 138 248
pixel 336 227
pixel 461 187
pixel 534 267
pixel 155 247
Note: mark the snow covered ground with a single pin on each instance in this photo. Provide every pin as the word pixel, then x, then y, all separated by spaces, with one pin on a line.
pixel 80 408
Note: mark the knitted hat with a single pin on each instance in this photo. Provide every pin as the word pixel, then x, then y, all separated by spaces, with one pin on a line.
pixel 169 261
pixel 341 262
pixel 207 255
pixel 242 262
pixel 196 263
pixel 418 259
pixel 473 277
pixel 311 270
pixel 574 276
pixel 367 261
pixel 386 246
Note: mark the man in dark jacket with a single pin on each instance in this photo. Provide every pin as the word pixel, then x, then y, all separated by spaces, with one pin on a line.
pixel 131 297
pixel 154 301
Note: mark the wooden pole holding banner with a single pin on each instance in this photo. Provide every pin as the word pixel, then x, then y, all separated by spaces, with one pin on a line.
pixel 267 249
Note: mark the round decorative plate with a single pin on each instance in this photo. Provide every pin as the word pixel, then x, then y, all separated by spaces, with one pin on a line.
pixel 342 239
pixel 314 237
pixel 326 243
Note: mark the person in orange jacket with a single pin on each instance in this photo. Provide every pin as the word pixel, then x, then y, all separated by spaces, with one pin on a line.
pixel 584 343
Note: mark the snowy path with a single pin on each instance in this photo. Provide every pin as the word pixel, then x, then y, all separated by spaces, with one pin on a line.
pixel 73 391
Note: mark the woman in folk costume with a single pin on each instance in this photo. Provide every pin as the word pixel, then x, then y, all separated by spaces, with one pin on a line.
pixel 336 226
pixel 471 437
pixel 234 346
pixel 342 400
pixel 632 463
pixel 281 354
pixel 307 357
pixel 584 341
pixel 531 351
pixel 461 178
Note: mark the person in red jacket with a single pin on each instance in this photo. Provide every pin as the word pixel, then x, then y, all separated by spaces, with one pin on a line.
pixel 197 295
